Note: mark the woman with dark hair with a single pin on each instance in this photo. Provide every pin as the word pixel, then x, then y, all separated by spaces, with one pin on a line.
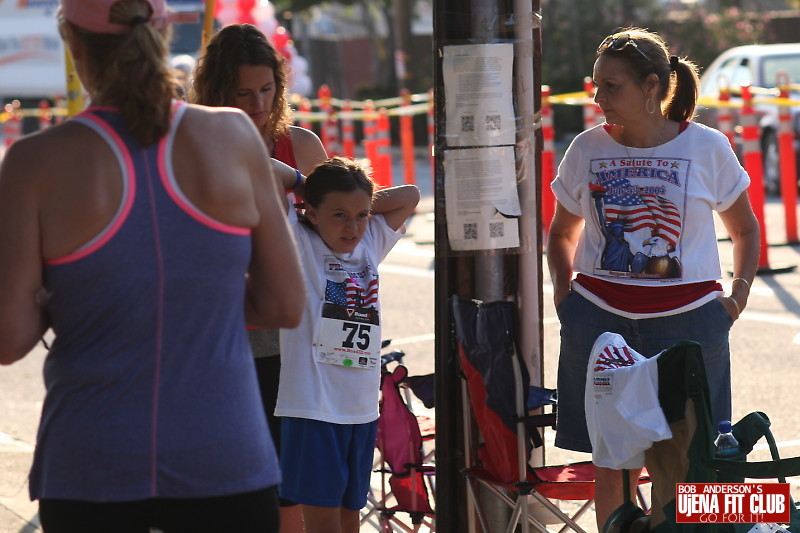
pixel 240 68
pixel 146 247
pixel 656 178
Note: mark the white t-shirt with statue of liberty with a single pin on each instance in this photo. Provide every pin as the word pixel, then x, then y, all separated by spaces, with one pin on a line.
pixel 330 363
pixel 649 211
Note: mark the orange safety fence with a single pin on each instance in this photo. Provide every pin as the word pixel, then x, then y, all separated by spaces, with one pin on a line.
pixel 335 120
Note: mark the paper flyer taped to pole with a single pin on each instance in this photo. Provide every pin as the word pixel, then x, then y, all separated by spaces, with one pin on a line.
pixel 482 201
pixel 477 84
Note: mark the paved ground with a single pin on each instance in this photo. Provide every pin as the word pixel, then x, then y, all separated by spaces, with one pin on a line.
pixel 766 340
pixel 21 390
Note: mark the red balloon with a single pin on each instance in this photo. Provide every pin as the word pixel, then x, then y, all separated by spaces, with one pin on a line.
pixel 280 40
pixel 245 8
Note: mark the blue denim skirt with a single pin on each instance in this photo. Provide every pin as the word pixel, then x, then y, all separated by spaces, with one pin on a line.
pixel 582 322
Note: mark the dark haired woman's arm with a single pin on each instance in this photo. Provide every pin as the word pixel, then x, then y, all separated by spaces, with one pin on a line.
pixel 275 288
pixel 308 149
pixel 287 178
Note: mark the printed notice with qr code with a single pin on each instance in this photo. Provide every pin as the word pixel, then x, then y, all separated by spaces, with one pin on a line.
pixel 477 84
pixel 482 202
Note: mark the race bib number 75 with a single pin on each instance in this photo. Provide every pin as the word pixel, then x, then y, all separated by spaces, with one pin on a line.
pixel 349 336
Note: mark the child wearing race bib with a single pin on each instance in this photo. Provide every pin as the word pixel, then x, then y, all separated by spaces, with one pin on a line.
pixel 330 368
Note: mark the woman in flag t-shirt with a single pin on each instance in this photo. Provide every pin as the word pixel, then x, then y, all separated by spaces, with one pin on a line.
pixel 634 222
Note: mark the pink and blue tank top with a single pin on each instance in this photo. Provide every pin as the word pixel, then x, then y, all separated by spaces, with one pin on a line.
pixel 151 388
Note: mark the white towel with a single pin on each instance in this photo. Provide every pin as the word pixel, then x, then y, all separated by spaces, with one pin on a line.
pixel 623 415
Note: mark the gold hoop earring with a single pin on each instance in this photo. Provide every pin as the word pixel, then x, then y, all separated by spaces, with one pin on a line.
pixel 648 107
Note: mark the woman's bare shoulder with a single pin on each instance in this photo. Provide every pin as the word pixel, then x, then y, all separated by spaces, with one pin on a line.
pixel 218 117
pixel 50 153
pixel 308 149
pixel 303 135
pixel 212 127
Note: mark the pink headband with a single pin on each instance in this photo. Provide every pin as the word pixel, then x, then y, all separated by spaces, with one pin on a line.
pixel 93 15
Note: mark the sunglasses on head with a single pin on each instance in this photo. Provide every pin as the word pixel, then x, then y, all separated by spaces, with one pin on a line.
pixel 619 42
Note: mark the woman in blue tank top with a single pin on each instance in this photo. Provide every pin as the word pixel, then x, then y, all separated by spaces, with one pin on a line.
pixel 146 253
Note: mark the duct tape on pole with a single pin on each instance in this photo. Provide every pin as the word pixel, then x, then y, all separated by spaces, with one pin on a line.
pixel 788 159
pixel 753 164
pixel 548 160
pixel 348 130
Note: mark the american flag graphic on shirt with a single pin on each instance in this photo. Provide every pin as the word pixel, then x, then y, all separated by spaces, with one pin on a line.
pixel 641 208
pixel 351 292
pixel 350 283
pixel 613 357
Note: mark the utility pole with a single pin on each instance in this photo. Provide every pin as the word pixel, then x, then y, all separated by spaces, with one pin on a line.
pixel 486 274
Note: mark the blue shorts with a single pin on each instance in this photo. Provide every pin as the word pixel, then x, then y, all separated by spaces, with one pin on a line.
pixel 325 464
pixel 582 322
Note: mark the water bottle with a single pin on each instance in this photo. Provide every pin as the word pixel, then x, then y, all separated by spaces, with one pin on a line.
pixel 726 445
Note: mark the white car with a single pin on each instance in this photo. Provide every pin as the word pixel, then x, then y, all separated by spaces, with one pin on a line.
pixel 758 66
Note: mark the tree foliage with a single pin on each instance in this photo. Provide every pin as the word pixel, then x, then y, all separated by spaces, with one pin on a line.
pixel 702 36
pixel 572 29
pixel 376 13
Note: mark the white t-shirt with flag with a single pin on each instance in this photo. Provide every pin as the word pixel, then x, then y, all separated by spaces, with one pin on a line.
pixel 314 382
pixel 623 415
pixel 649 211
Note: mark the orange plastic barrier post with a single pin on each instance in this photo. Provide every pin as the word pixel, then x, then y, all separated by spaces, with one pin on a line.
pixel 305 107
pixel 383 166
pixel 725 116
pixel 332 129
pixel 370 138
pixel 788 158
pixel 407 138
pixel 330 126
pixel 753 163
pixel 13 126
pixel 60 104
pixel 592 114
pixel 45 116
pixel 348 130
pixel 548 160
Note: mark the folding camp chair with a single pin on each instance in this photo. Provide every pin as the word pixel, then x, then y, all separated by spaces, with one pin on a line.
pixel 688 456
pixel 497 384
pixel 401 459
